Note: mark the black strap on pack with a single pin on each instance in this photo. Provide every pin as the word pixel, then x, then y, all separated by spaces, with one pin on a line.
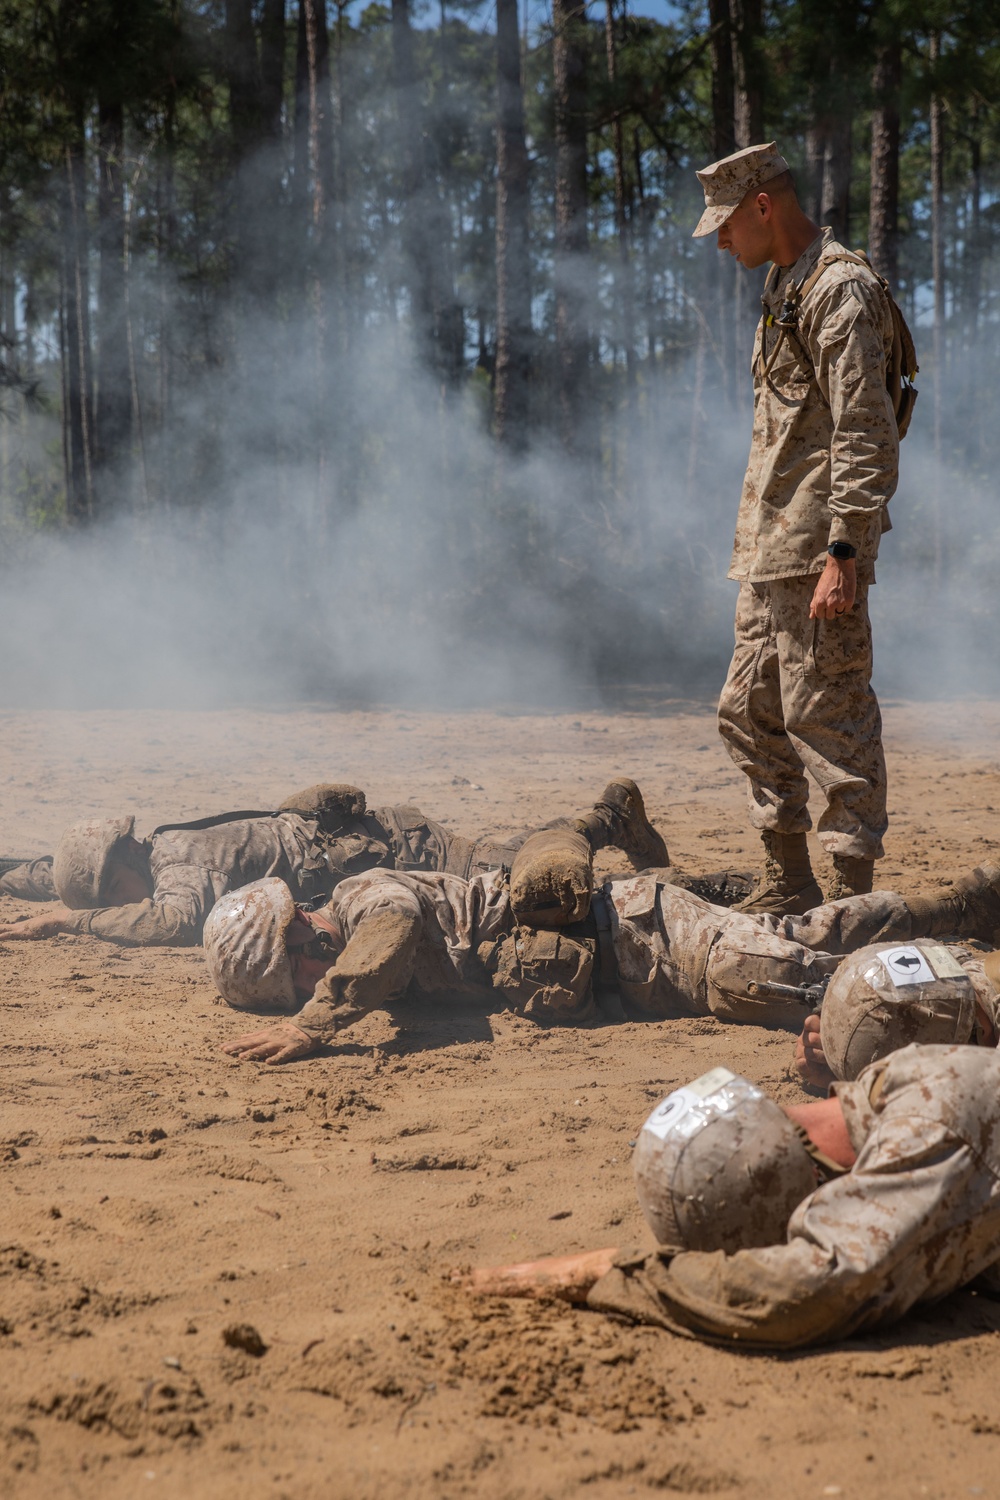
pixel 214 822
pixel 606 961
pixel 606 992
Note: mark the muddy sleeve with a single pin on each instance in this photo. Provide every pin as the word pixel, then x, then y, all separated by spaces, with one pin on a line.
pixel 173 918
pixel 31 881
pixel 859 1252
pixel 849 353
pixel 383 929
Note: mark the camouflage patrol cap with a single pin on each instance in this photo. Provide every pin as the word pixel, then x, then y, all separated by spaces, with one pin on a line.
pixel 727 182
pixel 719 1166
pixel 884 997
pixel 245 947
pixel 80 863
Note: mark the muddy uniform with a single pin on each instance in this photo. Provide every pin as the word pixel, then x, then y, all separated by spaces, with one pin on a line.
pixel 916 1217
pixel 823 465
pixel 419 928
pixel 675 954
pixel 191 868
pixel 418 843
pixel 678 955
pixel 31 881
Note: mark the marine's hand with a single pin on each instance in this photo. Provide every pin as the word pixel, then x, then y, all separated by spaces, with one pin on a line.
pixel 35 927
pixel 567 1276
pixel 810 1059
pixel 836 590
pixel 274 1044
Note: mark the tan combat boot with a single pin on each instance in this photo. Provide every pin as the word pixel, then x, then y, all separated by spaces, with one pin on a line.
pixel 619 818
pixel 788 887
pixel 851 877
pixel 970 908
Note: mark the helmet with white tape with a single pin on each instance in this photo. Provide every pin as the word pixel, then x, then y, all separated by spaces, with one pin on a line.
pixel 245 947
pixel 884 997
pixel 719 1166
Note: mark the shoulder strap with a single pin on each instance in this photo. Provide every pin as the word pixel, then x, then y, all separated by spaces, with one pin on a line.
pixel 213 822
pixel 852 257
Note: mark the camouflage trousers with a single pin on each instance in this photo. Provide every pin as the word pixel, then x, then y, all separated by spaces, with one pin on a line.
pixel 798 698
pixel 678 955
pixel 419 843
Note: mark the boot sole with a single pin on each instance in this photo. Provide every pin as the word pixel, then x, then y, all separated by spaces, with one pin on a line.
pixel 649 849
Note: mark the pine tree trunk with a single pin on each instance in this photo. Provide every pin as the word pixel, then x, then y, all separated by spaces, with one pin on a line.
pixel 883 224
pixel 937 241
pixel 439 327
pixel 747 18
pixel 723 97
pixel 113 414
pixel 831 162
pixel 974 248
pixel 513 262
pixel 80 501
pixel 272 67
pixel 625 285
pixel 572 273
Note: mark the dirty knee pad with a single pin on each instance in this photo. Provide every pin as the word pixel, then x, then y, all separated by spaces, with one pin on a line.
pixel 552 878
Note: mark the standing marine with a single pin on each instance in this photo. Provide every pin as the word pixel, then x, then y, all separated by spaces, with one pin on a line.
pixel 824 460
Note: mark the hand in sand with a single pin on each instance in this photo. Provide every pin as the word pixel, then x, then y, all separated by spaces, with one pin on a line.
pixel 810 1059
pixel 35 927
pixel 274 1044
pixel 567 1276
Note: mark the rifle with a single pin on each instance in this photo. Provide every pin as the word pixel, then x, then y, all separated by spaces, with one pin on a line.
pixel 807 994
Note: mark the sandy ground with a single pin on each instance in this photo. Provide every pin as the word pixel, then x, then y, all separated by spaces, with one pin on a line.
pixel 157 1194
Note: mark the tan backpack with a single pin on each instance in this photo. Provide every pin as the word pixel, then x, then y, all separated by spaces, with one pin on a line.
pixel 901 365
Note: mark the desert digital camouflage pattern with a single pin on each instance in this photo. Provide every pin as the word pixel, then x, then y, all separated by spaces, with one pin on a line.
pixel 916 1217
pixel 192 868
pixel 812 679
pixel 727 182
pixel 676 954
pixel 824 455
pixel 824 461
pixel 400 928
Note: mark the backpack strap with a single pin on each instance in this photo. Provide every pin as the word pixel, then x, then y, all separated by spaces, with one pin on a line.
pixel 901 364
pixel 212 822
pixel 788 321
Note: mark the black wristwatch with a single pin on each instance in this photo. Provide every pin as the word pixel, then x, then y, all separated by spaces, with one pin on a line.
pixel 842 551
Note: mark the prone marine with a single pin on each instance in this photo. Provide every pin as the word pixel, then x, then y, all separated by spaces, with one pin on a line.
pixel 158 892
pixel 779 1227
pixel 883 998
pixel 551 943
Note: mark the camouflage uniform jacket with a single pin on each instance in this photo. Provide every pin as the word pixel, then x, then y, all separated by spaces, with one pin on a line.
pixel 192 868
pixel 399 928
pixel 916 1217
pixel 676 954
pixel 824 456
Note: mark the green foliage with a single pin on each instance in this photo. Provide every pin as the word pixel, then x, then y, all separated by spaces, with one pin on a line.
pixel 191 334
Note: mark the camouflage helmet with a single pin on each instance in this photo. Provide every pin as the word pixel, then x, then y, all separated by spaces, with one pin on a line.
pixel 245 950
pixel 719 1166
pixel 884 997
pixel 83 854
